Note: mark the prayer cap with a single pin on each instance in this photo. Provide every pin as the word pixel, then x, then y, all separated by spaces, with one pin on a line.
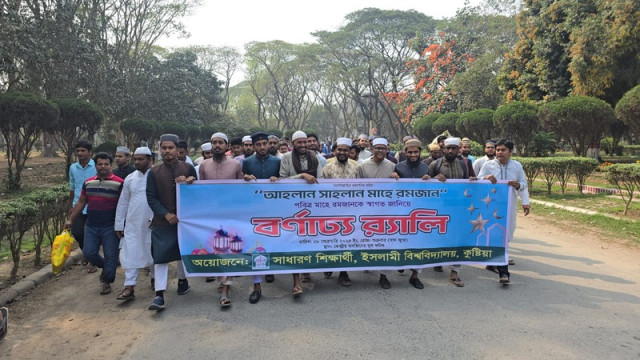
pixel 259 136
pixel 271 136
pixel 433 147
pixel 206 146
pixel 221 136
pixel 343 141
pixel 143 151
pixel 452 141
pixel 380 141
pixel 406 138
pixel 298 135
pixel 246 138
pixel 413 142
pixel 124 150
pixel 170 137
pixel 466 140
pixel 362 136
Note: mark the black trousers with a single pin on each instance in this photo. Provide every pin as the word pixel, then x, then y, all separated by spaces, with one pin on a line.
pixel 77 229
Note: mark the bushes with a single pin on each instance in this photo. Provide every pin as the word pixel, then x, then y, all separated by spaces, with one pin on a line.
pixel 42 211
pixel 558 169
pixel 626 178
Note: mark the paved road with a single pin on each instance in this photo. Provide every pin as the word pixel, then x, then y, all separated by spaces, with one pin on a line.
pixel 573 296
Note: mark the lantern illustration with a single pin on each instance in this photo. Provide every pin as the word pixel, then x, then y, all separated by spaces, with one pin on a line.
pixel 237 244
pixel 221 241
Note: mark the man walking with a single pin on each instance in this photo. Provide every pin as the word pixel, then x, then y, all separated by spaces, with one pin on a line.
pixel 79 172
pixel 100 193
pixel 489 154
pixel 161 196
pixel 123 160
pixel 133 216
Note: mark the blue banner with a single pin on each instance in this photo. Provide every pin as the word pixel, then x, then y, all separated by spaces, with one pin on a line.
pixel 243 228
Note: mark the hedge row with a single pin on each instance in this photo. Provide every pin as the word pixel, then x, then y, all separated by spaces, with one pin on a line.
pixel 558 169
pixel 626 178
pixel 41 211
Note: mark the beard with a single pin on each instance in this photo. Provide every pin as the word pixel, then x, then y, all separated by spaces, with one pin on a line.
pixel 218 156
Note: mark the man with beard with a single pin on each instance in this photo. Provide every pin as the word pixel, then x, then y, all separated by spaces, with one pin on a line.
pixel 300 163
pixel 341 168
pixel 466 150
pixel 161 197
pixel 206 154
pixel 464 158
pixel 183 152
pixel 363 142
pixel 220 167
pixel 314 145
pixel 79 172
pixel 434 154
pixel 273 143
pixel 247 149
pixel 260 165
pixel 504 168
pixel 236 146
pixel 100 193
pixel 489 154
pixel 412 168
pixel 132 223
pixel 450 167
pixel 123 158
pixel 378 166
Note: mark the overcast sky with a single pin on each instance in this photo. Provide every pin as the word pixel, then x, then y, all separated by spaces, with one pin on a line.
pixel 235 23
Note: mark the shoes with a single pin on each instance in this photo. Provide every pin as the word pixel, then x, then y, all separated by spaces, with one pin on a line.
pixel 183 286
pixel 106 289
pixel 157 304
pixel 255 296
pixel 327 274
pixel 401 271
pixel 384 282
pixel 269 278
pixel 416 283
pixel 210 279
pixel 126 294
pixel 504 279
pixel 343 279
pixel 437 269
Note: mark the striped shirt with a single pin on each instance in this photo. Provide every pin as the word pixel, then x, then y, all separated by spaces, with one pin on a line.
pixel 102 199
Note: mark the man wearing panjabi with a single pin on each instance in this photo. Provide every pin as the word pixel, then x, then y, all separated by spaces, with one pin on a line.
pixel 161 196
pixel 133 216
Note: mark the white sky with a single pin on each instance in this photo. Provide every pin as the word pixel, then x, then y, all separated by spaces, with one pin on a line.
pixel 235 23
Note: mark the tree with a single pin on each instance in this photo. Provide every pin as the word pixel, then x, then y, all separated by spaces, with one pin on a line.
pixel 221 61
pixel 478 124
pixel 580 120
pixel 174 128
pixel 628 109
pixel 136 130
pixel 22 117
pixel 446 122
pixel 78 117
pixel 517 120
pixel 423 127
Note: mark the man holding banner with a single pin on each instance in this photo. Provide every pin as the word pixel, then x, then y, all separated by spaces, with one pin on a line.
pixel 377 166
pixel 161 196
pixel 260 165
pixel 342 168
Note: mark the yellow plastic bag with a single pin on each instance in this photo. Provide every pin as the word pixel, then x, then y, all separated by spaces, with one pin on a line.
pixel 60 250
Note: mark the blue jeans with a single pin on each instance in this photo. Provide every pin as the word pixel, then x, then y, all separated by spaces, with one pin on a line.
pixel 94 236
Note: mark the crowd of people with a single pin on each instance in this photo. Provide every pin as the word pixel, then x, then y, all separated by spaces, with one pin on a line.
pixel 130 211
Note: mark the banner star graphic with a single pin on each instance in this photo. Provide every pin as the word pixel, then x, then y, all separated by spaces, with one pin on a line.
pixel 487 200
pixel 478 224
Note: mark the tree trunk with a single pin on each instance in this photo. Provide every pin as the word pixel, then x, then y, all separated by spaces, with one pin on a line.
pixel 47 146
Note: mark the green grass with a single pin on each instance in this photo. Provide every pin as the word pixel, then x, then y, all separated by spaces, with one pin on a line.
pixel 626 231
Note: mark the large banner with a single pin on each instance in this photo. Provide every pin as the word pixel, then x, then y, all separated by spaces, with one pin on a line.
pixel 243 228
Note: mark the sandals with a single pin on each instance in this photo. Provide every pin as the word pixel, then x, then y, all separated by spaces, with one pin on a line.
pixel 456 281
pixel 4 324
pixel 126 294
pixel 511 262
pixel 106 288
pixel 327 274
pixel 224 300
pixel 92 269
pixel 305 278
pixel 297 290
pixel 437 269
pixel 344 280
pixel 492 268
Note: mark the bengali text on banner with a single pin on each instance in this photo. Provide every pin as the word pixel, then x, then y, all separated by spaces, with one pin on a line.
pixel 244 228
